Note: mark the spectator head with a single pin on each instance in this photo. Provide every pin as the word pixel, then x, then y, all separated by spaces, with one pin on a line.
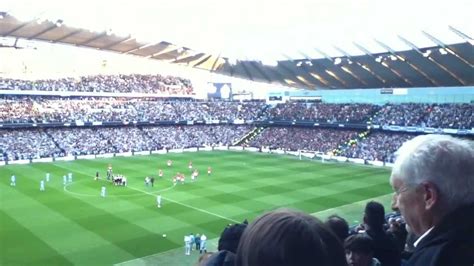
pixel 374 215
pixel 230 237
pixel 432 176
pixel 339 226
pixel 288 237
pixel 203 259
pixel 359 250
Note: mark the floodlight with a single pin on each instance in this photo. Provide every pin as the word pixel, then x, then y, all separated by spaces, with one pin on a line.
pixel 337 61
pixel 232 61
pixel 427 53
pixel 443 51
pixel 59 23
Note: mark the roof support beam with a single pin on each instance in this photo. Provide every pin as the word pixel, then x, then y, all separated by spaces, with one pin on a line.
pixel 432 60
pixel 324 54
pixel 215 62
pixel 366 68
pixel 247 72
pixel 446 47
pixel 93 38
pixel 421 72
pixel 187 59
pixel 202 61
pixel 67 35
pixel 231 67
pixel 461 34
pixel 280 76
pixel 398 74
pixel 293 75
pixel 316 78
pixel 301 80
pixel 126 39
pixel 168 49
pixel 136 48
pixel 42 32
pixel 260 70
pixel 17 28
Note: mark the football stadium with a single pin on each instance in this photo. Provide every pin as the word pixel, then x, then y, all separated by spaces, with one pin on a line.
pixel 246 133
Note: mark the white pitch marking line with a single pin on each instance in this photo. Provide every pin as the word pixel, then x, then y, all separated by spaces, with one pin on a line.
pixel 186 205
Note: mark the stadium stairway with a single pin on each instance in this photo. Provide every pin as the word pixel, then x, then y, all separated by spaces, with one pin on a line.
pixel 349 143
pixel 54 141
pixel 249 136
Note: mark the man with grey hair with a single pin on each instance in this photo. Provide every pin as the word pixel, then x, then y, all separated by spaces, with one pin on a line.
pixel 433 180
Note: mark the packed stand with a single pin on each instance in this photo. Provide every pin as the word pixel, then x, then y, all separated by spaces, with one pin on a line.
pixel 458 116
pixel 39 109
pixel 291 138
pixel 81 141
pixel 133 83
pixel 377 146
pixel 173 137
pixel 323 112
pixel 36 109
pixel 26 144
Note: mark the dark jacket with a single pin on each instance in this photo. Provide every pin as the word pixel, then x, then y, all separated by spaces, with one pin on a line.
pixel 221 258
pixel 385 248
pixel 449 243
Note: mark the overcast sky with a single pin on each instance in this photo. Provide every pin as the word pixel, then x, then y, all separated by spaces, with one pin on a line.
pixel 263 29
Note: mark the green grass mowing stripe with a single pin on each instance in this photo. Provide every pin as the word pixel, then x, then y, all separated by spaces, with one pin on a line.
pixel 353 212
pixel 242 175
pixel 187 205
pixel 13 237
pixel 60 233
pixel 205 225
pixel 117 231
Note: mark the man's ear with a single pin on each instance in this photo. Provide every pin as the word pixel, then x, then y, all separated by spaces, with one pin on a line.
pixel 430 195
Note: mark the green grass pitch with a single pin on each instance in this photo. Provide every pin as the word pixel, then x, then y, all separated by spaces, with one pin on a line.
pixel 72 224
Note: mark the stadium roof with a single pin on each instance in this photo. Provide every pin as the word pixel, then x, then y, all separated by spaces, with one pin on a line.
pixel 438 64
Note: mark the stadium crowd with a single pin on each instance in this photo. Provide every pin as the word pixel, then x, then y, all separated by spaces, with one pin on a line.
pixel 58 142
pixel 167 85
pixel 28 109
pixel 377 146
pixel 25 144
pixel 291 138
pixel 458 116
pixel 323 112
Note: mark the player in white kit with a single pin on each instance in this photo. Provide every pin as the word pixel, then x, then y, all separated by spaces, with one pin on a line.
pixel 158 201
pixel 13 181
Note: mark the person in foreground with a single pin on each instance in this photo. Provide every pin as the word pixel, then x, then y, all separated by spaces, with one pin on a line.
pixel 289 237
pixel 433 180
